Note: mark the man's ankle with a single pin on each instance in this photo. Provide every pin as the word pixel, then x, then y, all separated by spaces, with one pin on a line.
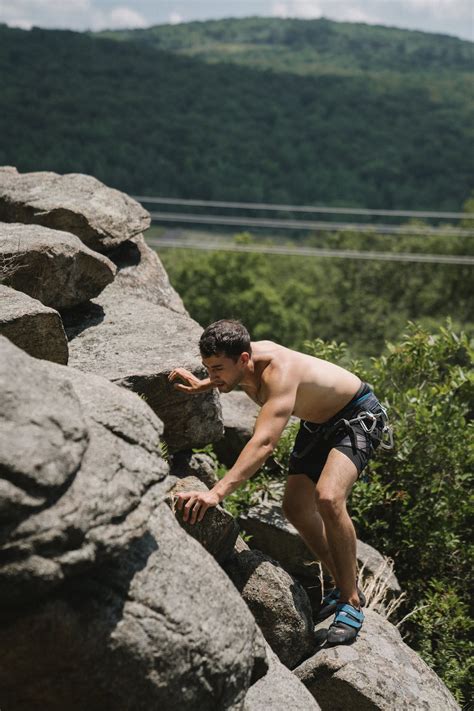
pixel 354 601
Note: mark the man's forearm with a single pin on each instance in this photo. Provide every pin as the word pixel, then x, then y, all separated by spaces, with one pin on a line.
pixel 251 458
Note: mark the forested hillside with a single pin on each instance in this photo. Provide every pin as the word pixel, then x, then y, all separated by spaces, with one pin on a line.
pixel 149 121
pixel 310 46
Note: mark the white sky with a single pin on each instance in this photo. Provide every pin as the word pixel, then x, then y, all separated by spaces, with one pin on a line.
pixel 454 17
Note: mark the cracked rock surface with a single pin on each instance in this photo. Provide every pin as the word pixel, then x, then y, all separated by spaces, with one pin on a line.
pixel 378 672
pixel 278 602
pixel 105 602
pixel 218 530
pixel 53 266
pixel 136 344
pixel 279 690
pixel 141 273
pixel 100 216
pixel 77 456
pixel 32 326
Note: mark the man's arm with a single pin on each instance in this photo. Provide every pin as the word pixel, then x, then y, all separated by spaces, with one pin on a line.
pixel 270 423
pixel 191 385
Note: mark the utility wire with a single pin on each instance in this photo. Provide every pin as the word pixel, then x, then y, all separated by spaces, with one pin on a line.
pixel 301 208
pixel 313 252
pixel 306 225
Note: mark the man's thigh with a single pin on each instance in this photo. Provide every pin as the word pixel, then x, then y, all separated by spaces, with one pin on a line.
pixel 338 476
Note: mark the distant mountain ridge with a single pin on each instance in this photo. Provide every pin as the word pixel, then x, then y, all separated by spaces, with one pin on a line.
pixel 150 121
pixel 308 46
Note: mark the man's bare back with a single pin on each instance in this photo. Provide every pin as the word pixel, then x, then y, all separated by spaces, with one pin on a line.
pixel 323 388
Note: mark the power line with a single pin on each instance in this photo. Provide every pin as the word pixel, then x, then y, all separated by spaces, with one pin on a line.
pixel 314 252
pixel 306 225
pixel 301 208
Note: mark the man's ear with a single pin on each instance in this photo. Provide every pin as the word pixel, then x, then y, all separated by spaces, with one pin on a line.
pixel 244 358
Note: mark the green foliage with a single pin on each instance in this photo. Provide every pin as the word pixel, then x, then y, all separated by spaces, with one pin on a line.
pixel 444 634
pixel 131 116
pixel 256 489
pixel 292 300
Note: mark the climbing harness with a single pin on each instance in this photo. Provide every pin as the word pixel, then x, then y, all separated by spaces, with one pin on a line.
pixel 366 419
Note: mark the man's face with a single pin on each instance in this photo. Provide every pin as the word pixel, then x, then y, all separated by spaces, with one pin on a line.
pixel 224 372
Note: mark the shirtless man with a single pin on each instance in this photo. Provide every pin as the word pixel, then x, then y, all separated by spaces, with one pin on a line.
pixel 325 462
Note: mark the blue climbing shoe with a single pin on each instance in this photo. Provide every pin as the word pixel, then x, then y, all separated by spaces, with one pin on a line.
pixel 331 601
pixel 346 625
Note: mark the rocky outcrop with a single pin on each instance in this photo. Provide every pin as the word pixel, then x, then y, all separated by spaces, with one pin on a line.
pixel 52 266
pixel 107 598
pixel 141 274
pixel 137 344
pixel 105 602
pixel 218 530
pixel 278 690
pixel 278 602
pixel 100 216
pixel 31 326
pixel 80 458
pixel 377 673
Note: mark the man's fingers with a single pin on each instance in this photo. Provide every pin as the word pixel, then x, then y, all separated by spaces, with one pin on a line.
pixel 181 498
pixel 194 508
pixel 188 506
pixel 202 511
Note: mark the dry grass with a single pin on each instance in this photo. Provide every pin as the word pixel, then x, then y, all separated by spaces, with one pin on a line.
pixel 10 264
pixel 378 595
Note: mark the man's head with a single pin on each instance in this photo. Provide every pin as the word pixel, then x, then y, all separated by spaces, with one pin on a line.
pixel 225 351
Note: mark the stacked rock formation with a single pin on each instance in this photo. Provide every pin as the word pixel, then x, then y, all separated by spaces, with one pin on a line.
pixel 107 598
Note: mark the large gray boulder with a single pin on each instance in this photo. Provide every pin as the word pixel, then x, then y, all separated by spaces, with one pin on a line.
pixel 217 531
pixel 77 457
pixel 100 216
pixel 278 602
pixel 52 266
pixel 31 326
pixel 160 627
pixel 279 690
pixel 379 672
pixel 136 344
pixel 141 274
pixel 105 602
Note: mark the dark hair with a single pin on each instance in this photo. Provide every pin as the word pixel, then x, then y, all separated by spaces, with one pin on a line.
pixel 225 337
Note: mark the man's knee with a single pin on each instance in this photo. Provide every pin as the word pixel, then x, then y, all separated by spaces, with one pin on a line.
pixel 330 504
